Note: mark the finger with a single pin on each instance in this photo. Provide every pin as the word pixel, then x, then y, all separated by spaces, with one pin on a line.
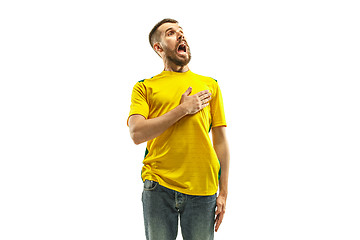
pixel 188 91
pixel 204 101
pixel 204 105
pixel 219 219
pixel 199 94
pixel 216 223
pixel 207 99
pixel 205 96
pixel 218 209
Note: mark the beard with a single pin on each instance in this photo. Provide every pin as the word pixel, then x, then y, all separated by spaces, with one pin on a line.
pixel 175 58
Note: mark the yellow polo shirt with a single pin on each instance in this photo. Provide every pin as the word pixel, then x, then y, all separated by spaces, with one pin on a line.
pixel 182 158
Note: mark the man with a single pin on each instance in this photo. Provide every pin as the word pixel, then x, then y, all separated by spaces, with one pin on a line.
pixel 174 112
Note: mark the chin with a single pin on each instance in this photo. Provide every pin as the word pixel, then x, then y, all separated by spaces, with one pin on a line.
pixel 180 61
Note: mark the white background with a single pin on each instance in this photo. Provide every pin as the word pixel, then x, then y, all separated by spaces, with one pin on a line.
pixel 289 72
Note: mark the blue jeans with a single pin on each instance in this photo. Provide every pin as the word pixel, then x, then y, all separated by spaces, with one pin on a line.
pixel 162 208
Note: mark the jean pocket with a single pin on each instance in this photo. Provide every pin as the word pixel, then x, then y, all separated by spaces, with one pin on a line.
pixel 150 185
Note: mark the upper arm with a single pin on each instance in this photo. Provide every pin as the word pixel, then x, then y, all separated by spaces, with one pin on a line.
pixel 217 107
pixel 139 102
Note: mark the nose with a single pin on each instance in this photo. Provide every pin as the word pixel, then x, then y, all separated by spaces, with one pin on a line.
pixel 180 36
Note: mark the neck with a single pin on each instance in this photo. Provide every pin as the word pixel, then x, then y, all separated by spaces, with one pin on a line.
pixel 175 68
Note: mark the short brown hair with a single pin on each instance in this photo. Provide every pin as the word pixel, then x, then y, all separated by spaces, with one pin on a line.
pixel 153 35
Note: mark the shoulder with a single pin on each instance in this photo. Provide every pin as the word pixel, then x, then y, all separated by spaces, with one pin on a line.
pixel 140 86
pixel 142 83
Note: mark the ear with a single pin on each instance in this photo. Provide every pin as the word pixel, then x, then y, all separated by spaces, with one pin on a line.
pixel 157 47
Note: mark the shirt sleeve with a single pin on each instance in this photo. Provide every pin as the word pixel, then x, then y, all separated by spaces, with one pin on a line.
pixel 217 108
pixel 139 103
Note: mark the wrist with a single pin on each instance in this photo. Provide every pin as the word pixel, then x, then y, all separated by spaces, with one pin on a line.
pixel 183 109
pixel 223 194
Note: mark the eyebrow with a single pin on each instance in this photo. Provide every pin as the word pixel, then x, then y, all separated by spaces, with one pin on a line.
pixel 170 28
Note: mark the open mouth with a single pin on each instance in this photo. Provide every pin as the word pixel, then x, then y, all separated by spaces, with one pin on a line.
pixel 181 48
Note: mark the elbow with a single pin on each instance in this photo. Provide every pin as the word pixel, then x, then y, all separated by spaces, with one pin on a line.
pixel 137 133
pixel 137 142
pixel 136 138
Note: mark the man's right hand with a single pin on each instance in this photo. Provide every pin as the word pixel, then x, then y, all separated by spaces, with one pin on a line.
pixel 196 102
pixel 142 130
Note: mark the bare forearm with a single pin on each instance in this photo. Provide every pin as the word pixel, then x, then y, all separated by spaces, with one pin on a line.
pixel 148 129
pixel 221 147
pixel 142 130
pixel 224 157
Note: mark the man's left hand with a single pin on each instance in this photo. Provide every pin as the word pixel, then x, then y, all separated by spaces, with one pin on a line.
pixel 220 211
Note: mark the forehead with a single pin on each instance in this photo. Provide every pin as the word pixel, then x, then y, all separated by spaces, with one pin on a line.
pixel 163 28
